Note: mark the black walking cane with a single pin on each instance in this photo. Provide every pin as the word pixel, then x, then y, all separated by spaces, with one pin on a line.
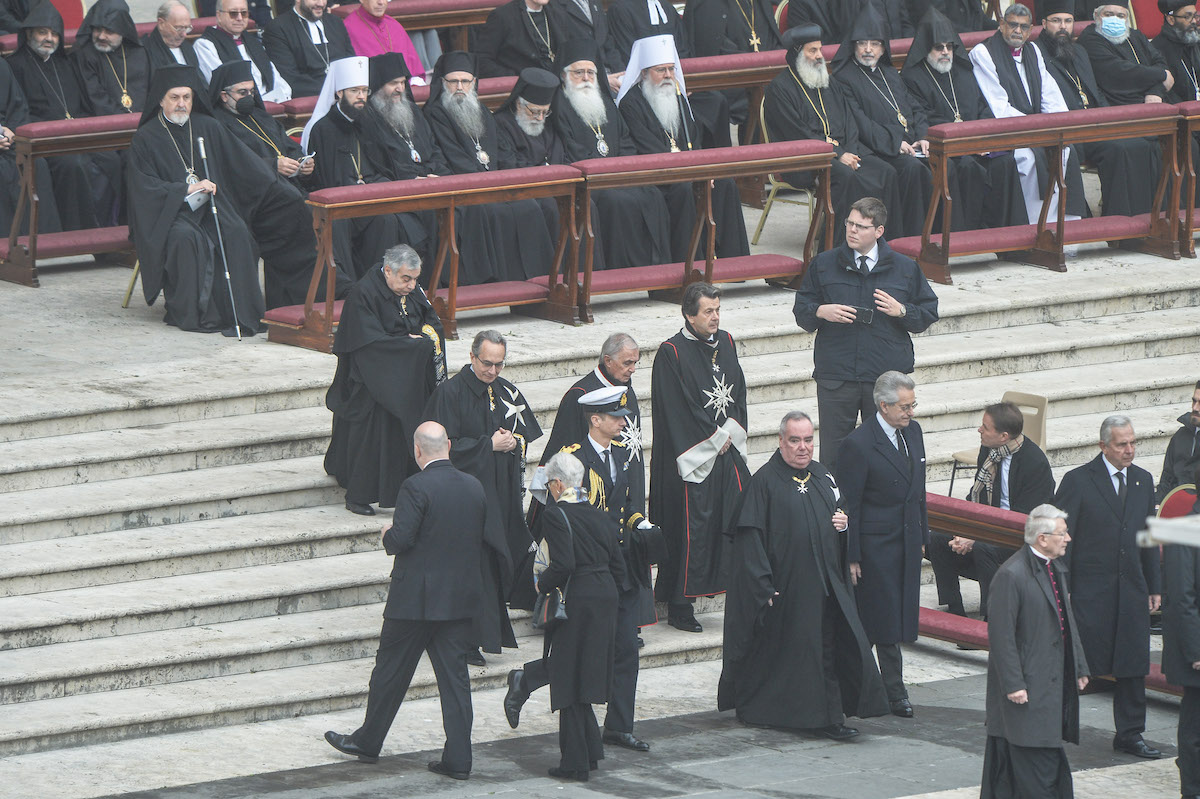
pixel 220 242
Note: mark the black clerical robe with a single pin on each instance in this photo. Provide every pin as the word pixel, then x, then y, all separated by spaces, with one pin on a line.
pixel 802 661
pixel 837 17
pixel 161 56
pixel 384 378
pixel 518 149
pixel 698 393
pixel 718 27
pixel 515 243
pixel 1183 60
pixel 471 411
pixel 14 112
pixel 650 136
pixel 1127 73
pixel 630 20
pixel 965 15
pixel 515 38
pixel 794 111
pixel 110 77
pixel 591 25
pixel 985 189
pixel 301 61
pixel 12 14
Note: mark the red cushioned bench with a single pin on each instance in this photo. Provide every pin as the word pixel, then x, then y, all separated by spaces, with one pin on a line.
pixel 698 167
pixel 312 325
pixel 1041 244
pixel 456 15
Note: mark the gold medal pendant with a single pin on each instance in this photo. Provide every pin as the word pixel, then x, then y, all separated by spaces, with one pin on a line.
pixel 191 178
pixel 1083 97
pixel 483 158
pixel 601 146
pixel 674 147
pixel 126 100
pixel 957 118
pixel 903 121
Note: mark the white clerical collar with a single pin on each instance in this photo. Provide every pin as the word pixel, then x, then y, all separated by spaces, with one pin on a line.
pixel 658 15
pixel 1041 557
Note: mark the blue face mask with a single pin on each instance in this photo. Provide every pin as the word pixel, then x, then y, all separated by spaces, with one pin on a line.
pixel 1112 26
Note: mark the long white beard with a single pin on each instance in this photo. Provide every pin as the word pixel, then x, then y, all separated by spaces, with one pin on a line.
pixel 467 113
pixel 664 103
pixel 814 76
pixel 1114 39
pixel 397 112
pixel 943 67
pixel 531 127
pixel 587 102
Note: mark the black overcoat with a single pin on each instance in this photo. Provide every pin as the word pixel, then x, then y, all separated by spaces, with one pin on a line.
pixel 1181 613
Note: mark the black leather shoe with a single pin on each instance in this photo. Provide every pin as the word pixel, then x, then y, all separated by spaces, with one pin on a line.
pixel 641 642
pixel 567 774
pixel 687 624
pixel 838 732
pixel 360 508
pixel 475 658
pixel 515 699
pixel 625 739
pixel 346 745
pixel 438 767
pixel 902 708
pixel 1138 748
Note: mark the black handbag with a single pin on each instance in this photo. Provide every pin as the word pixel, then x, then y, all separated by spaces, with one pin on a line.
pixel 550 609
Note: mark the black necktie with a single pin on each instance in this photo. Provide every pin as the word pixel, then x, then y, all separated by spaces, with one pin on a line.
pixel 902 443
pixel 1196 442
pixel 1121 489
pixel 607 463
pixel 862 265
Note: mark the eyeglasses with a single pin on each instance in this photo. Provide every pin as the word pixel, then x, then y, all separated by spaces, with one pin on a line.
pixel 583 73
pixel 944 47
pixel 1019 26
pixel 537 113
pixel 240 92
pixel 185 29
pixel 1117 14
pixel 236 14
pixel 858 227
pixel 489 364
pixel 464 82
pixel 1188 17
pixel 908 408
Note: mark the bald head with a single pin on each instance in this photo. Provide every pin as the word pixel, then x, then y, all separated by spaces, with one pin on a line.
pixel 430 443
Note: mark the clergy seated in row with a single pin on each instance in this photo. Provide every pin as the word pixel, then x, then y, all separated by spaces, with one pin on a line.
pixel 802 103
pixel 261 11
pixel 654 104
pixel 890 124
pixel 390 352
pixel 228 40
pixel 115 66
pixel 14 112
pixel 515 242
pixel 724 27
pixel 372 32
pixel 838 17
pixel 985 190
pixel 518 35
pixel 1128 168
pixel 1011 72
pixel 302 42
pixel 174 183
pixel 85 185
pixel 168 43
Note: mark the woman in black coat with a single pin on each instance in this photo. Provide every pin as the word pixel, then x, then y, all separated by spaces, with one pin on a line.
pixel 585 550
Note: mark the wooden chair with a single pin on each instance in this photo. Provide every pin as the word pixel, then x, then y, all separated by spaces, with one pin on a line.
pixel 776 182
pixel 1033 408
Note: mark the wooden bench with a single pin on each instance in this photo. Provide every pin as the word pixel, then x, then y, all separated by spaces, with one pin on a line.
pixel 1189 127
pixel 312 325
pixel 1041 244
pixel 455 15
pixel 699 167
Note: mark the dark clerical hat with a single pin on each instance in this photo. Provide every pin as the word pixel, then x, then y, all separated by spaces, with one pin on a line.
pixel 385 68
pixel 1048 8
pixel 1171 6
pixel 228 74
pixel 536 86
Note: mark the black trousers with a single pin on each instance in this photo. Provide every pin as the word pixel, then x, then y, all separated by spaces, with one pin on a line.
pixel 1189 742
pixel 839 404
pixel 579 743
pixel 401 644
pixel 1129 709
pixel 1024 772
pixel 979 564
pixel 891 669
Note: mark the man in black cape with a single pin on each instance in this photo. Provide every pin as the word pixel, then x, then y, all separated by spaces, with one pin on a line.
pixel 391 355
pixel 890 124
pixel 519 245
pixel 1128 168
pixel 698 458
pixel 657 110
pixel 177 242
pixel 1179 43
pixel 85 186
pixel 525 137
pixel 518 35
pixel 636 228
pixel 14 112
pixel 491 425
pixel 966 16
pixel 837 17
pixel 115 67
pixel 168 43
pixel 985 189
pixel 1128 70
pixel 723 27
pixel 802 103
pixel 795 655
pixel 303 41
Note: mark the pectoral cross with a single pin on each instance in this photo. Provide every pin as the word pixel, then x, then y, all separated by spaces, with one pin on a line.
pixel 755 41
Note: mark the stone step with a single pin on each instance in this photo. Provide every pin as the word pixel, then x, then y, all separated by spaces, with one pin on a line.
pixel 277 693
pixel 133 502
pixel 163 448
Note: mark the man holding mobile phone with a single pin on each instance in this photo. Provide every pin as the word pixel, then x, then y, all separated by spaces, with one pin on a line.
pixel 863 300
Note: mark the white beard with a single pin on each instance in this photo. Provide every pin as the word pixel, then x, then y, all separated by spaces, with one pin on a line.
pixel 103 47
pixel 940 66
pixel 814 76
pixel 664 103
pixel 531 127
pixel 1114 40
pixel 1191 37
pixel 587 102
pixel 398 112
pixel 467 113
pixel 177 118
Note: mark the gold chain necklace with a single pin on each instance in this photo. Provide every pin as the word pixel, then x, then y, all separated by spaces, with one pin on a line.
pixel 754 40
pixel 126 100
pixel 357 162
pixel 61 93
pixel 545 39
pixel 822 115
pixel 892 102
pixel 190 167
pixel 262 134
pixel 601 144
pixel 954 105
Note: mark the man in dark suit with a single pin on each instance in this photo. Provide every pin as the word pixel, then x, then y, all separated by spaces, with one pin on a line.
pixel 436 536
pixel 1181 649
pixel 1034 667
pixel 1183 450
pixel 303 42
pixel 1012 473
pixel 882 480
pixel 1115 584
pixel 586 19
pixel 864 302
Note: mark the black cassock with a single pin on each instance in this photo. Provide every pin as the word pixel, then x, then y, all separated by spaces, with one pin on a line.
pixel 471 411
pixel 630 20
pixel 803 661
pixel 649 136
pixel 1128 72
pixel 635 226
pixel 514 38
pixel 161 56
pixel 718 27
pixel 508 240
pixel 384 378
pixel 794 111
pixel 878 99
pixel 299 60
pixel 965 15
pixel 698 393
pixel 14 112
pixel 986 189
pixel 108 76
pixel 837 17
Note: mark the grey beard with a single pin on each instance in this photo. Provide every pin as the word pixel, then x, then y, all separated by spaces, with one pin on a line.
pixel 103 47
pixel 531 127
pixel 397 113
pixel 1114 40
pixel 1191 37
pixel 664 103
pixel 588 103
pixel 814 76
pixel 179 118
pixel 939 66
pixel 467 113
pixel 869 63
pixel 42 52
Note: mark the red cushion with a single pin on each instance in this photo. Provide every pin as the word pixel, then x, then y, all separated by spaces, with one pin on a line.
pixel 490 295
pixel 974 511
pixel 1189 109
pixel 300 106
pixel 754 267
pixel 734 62
pixel 1116 113
pixel 77 127
pixel 965 242
pixel 1106 228
pixel 293 315
pixel 718 155
pixel 447 184
pixel 949 627
pixel 638 278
